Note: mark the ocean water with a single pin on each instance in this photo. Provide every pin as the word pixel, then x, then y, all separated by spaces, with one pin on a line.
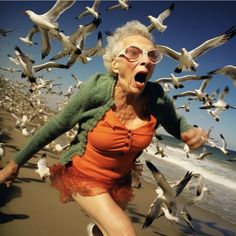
pixel 218 172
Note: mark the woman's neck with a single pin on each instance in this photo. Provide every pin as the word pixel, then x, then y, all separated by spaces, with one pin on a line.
pixel 127 106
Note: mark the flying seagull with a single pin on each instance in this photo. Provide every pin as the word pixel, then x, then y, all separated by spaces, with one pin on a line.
pixel 90 10
pixel 4 32
pixel 198 94
pixel 187 58
pixel 166 194
pixel 122 4
pixel 157 23
pixel 177 81
pixel 228 70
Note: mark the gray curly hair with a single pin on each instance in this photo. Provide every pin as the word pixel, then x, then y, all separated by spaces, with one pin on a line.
pixel 114 42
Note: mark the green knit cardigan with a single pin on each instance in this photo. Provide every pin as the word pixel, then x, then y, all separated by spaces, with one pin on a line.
pixel 88 106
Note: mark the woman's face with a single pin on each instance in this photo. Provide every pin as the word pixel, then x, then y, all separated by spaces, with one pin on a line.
pixel 133 76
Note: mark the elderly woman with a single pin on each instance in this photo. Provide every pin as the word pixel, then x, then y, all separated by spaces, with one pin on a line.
pixel 117 113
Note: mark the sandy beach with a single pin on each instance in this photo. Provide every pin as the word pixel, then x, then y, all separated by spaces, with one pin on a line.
pixel 32 207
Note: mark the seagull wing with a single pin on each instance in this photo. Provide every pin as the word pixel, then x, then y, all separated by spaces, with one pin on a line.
pixel 179 188
pixel 214 42
pixel 204 84
pixel 168 51
pixel 48 65
pixel 160 179
pixel 192 77
pixel 163 80
pixel 58 8
pixel 153 212
pixel 166 13
pixel 84 31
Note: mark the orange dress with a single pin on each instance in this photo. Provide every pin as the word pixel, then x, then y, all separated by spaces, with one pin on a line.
pixel 107 162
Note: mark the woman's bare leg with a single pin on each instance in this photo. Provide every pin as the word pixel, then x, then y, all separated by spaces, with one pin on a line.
pixel 107 214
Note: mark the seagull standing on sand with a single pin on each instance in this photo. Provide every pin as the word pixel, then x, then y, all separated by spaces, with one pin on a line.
pixel 157 23
pixel 166 195
pixel 186 58
pixel 228 70
pixel 90 10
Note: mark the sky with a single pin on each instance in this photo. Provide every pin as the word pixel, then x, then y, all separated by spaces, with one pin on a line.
pixel 190 24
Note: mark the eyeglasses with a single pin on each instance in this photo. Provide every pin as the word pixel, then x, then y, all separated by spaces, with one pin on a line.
pixel 133 53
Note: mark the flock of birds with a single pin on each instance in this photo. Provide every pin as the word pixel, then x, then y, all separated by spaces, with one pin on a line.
pixel 24 100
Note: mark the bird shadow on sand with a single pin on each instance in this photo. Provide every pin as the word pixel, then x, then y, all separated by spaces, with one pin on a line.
pixel 7 195
pixel 198 225
pixel 5 138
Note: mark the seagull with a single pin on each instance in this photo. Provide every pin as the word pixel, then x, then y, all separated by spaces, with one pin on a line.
pixel 122 4
pixel 97 50
pixel 209 139
pixel 197 93
pixel 201 189
pixel 2 152
pixel 185 106
pixel 166 194
pixel 28 66
pixel 204 154
pixel 168 215
pixel 224 145
pixel 58 147
pixel 78 82
pixel 28 38
pixel 46 23
pixel 91 10
pixel 159 150
pixel 228 70
pixel 220 103
pixel 177 81
pixel 42 169
pixel 72 44
pixel 27 133
pixel 10 69
pixel 4 32
pixel 157 23
pixel 48 20
pixel 187 150
pixel 186 58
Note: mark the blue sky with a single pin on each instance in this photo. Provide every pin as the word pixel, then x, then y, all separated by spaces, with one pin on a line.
pixel 191 23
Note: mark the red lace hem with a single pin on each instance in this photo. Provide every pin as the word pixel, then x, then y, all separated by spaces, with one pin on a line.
pixel 68 180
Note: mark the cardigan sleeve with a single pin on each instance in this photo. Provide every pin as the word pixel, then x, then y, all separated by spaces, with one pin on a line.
pixel 60 123
pixel 163 108
pixel 174 123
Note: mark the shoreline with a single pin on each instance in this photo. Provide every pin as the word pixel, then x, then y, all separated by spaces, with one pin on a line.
pixel 32 207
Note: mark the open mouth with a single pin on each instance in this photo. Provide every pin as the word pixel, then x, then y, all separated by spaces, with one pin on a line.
pixel 140 78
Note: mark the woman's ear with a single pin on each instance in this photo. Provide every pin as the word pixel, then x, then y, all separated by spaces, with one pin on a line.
pixel 114 66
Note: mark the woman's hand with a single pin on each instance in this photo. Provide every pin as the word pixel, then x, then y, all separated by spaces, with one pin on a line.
pixel 194 137
pixel 9 173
